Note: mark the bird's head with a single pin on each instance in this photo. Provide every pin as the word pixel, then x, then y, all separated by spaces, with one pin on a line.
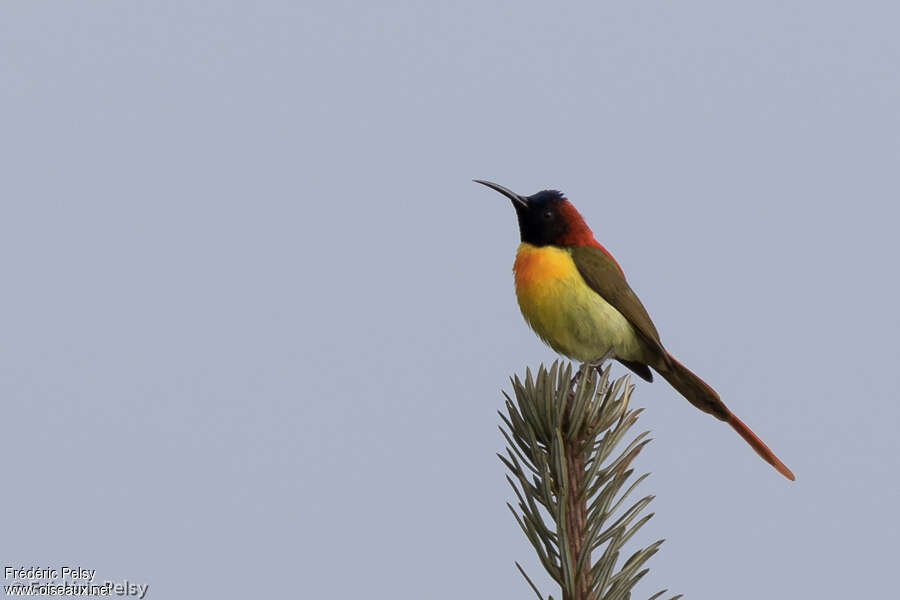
pixel 547 218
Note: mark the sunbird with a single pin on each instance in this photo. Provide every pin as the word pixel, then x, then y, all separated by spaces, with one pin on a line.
pixel 574 295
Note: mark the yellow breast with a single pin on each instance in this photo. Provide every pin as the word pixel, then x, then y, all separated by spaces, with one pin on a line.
pixel 566 313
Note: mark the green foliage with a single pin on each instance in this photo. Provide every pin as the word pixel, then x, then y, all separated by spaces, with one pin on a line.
pixel 562 434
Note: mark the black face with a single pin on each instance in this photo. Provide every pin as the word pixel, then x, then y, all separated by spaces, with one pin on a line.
pixel 540 220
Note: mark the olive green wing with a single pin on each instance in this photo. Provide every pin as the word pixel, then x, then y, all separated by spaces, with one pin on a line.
pixel 603 275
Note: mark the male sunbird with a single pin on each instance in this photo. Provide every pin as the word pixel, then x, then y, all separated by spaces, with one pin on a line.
pixel 574 295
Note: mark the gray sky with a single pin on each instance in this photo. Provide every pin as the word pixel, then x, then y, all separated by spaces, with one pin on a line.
pixel 256 318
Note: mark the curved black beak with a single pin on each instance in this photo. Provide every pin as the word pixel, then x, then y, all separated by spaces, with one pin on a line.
pixel 516 198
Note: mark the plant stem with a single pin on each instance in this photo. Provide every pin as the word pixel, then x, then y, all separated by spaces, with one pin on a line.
pixel 576 512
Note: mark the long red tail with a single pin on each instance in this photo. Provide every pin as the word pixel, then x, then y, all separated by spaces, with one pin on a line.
pixel 701 395
pixel 758 445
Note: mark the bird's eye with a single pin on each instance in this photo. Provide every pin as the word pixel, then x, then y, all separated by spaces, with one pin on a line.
pixel 548 214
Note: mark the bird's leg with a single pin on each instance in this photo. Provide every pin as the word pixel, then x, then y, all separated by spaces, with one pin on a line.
pixel 591 364
pixel 598 362
pixel 582 371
